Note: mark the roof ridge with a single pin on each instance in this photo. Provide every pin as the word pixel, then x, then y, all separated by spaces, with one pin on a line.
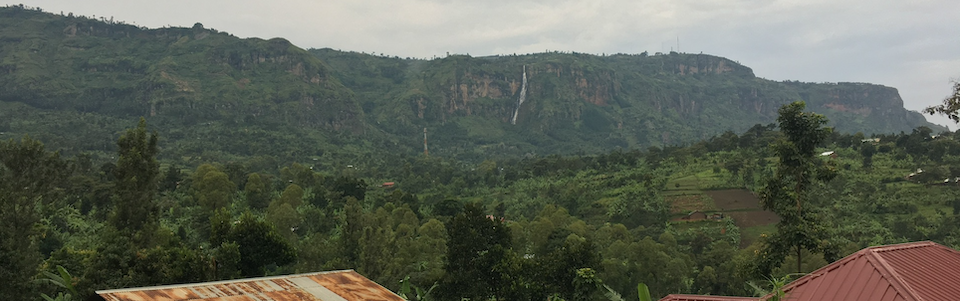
pixel 183 285
pixel 901 246
pixel 706 297
pixel 888 272
pixel 821 271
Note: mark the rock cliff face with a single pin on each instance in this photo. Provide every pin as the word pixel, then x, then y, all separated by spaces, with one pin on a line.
pixel 608 101
pixel 860 107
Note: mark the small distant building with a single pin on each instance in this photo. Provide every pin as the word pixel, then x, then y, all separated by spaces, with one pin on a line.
pixel 870 140
pixel 387 184
pixel 494 218
pixel 831 154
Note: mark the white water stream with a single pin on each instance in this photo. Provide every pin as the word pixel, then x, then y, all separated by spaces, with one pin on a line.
pixel 523 95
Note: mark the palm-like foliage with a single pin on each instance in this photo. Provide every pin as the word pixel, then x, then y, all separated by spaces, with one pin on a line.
pixel 411 292
pixel 63 280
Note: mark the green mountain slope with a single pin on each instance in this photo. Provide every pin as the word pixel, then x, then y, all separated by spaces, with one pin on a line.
pixel 239 96
pixel 77 81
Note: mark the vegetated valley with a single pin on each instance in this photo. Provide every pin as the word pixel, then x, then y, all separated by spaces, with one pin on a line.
pixel 135 157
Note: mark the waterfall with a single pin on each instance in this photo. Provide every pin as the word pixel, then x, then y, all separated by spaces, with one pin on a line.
pixel 523 95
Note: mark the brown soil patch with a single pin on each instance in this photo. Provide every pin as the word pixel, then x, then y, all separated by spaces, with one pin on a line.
pixel 746 219
pixel 687 203
pixel 743 206
pixel 734 199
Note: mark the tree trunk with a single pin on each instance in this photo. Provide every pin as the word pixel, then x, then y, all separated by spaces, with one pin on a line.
pixel 798 259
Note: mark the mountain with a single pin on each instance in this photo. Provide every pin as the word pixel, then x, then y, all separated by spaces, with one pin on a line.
pixel 582 102
pixel 75 81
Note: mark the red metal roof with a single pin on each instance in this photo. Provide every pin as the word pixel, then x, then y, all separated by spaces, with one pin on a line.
pixel 921 271
pixel 679 297
pixel 325 286
pixel 917 271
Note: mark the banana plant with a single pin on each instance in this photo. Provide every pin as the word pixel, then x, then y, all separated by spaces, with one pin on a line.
pixel 408 290
pixel 63 280
pixel 776 287
pixel 642 291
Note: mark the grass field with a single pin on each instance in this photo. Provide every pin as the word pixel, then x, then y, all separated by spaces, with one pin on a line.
pixel 751 234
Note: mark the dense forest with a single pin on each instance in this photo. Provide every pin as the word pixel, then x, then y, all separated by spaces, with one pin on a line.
pixel 570 227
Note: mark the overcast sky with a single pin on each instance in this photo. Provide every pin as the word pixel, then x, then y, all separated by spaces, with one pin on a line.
pixel 912 45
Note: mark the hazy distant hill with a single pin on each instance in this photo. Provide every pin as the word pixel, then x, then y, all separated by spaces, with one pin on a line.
pixel 75 81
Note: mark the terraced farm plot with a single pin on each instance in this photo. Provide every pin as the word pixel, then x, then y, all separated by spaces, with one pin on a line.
pixel 744 207
pixel 682 204
pixel 691 193
pixel 734 199
pixel 685 194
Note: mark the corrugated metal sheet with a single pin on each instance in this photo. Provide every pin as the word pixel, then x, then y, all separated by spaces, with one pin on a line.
pixel 918 271
pixel 680 297
pixel 904 272
pixel 931 271
pixel 325 286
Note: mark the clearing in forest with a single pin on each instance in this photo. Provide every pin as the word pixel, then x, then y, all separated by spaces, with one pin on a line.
pixel 685 194
pixel 744 207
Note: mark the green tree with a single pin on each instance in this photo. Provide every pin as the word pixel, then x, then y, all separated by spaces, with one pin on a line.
pixel 213 187
pixel 285 218
pixel 259 245
pixel 283 214
pixel 292 195
pixel 227 260
pixel 354 223
pixel 63 280
pixel 797 170
pixel 255 190
pixel 477 245
pixel 350 187
pixel 136 176
pixel 124 262
pixel 300 175
pixel 171 178
pixel 867 151
pixel 29 176
pixel 566 253
pixel 950 106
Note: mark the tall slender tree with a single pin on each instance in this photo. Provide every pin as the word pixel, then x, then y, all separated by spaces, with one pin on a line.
pixel 137 173
pixel 798 169
pixel 29 175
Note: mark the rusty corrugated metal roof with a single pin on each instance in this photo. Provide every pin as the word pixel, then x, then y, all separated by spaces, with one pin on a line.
pixel 344 285
pixel 921 271
pixel 681 297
